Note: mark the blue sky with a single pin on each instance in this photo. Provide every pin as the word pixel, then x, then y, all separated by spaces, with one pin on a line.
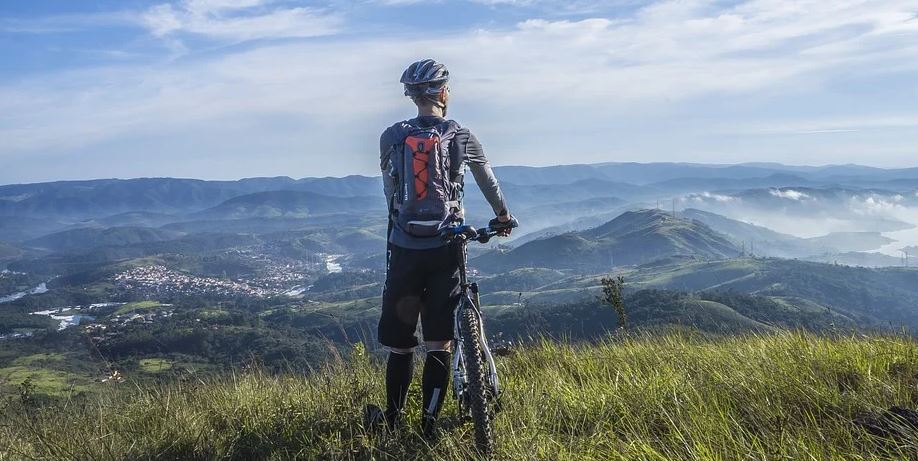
pixel 238 88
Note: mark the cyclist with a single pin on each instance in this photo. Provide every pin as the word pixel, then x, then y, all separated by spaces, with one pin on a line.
pixel 422 161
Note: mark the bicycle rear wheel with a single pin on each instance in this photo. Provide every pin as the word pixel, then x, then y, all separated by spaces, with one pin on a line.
pixel 476 374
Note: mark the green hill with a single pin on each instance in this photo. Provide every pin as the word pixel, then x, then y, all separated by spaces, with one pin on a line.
pixel 671 397
pixel 288 204
pixel 634 237
pixel 8 252
pixel 90 237
pixel 886 297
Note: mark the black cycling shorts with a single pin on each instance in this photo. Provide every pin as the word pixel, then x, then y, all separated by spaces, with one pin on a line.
pixel 421 283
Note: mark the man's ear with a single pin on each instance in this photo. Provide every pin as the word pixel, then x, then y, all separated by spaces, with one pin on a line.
pixel 444 94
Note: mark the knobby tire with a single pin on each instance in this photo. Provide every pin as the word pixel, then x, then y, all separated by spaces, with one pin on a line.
pixel 477 381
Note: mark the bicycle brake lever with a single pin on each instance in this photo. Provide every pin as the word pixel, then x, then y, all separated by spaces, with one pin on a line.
pixel 469 232
pixel 484 235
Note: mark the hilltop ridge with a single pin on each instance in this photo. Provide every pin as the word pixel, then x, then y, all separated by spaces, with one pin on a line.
pixel 632 238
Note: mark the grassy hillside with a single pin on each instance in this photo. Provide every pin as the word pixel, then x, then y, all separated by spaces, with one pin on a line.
pixel 9 252
pixel 671 397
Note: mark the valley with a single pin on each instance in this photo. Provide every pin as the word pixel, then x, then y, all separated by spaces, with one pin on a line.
pixel 203 277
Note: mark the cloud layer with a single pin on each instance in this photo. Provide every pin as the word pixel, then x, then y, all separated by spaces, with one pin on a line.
pixel 673 80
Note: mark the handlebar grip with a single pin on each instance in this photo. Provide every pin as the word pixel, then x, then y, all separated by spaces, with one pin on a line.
pixel 484 235
pixel 467 232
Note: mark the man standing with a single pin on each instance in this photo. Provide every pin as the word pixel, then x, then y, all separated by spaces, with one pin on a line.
pixel 423 161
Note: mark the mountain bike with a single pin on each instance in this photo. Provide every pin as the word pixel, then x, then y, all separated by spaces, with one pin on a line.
pixel 476 387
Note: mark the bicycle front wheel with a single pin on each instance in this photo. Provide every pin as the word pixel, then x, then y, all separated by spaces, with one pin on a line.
pixel 476 373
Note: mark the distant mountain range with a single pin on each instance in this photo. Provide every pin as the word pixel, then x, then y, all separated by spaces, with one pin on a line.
pixel 551 202
pixel 289 204
pixel 107 197
pixel 650 173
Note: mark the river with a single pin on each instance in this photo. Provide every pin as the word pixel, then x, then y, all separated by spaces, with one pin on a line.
pixel 68 316
pixel 904 238
pixel 41 288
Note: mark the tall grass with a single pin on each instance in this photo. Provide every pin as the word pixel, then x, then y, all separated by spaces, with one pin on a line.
pixel 671 397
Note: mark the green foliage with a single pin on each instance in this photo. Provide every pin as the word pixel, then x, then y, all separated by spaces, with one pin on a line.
pixel 137 306
pixel 43 381
pixel 154 365
pixel 58 363
pixel 225 338
pixel 673 397
pixel 526 279
pixel 612 296
pixel 13 282
pixel 27 392
pixel 10 321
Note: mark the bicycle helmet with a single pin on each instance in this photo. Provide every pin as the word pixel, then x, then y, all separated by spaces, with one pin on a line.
pixel 424 78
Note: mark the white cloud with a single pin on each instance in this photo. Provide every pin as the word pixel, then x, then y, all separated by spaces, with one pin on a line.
pixel 399 2
pixel 162 20
pixel 790 194
pixel 874 204
pixel 504 2
pixel 205 7
pixel 221 19
pixel 708 196
pixel 827 125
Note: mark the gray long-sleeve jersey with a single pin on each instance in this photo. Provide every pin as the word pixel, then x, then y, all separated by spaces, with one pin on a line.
pixel 464 146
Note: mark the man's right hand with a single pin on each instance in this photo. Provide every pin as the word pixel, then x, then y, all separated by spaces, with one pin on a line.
pixel 503 224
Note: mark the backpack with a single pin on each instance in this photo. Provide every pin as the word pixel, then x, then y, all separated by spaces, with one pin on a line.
pixel 428 190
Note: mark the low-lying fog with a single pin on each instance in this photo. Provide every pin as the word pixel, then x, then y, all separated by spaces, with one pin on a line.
pixel 808 213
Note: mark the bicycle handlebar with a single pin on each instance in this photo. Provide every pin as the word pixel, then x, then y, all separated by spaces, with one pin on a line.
pixel 467 233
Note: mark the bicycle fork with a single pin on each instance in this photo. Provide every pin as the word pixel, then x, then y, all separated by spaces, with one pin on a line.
pixel 471 301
